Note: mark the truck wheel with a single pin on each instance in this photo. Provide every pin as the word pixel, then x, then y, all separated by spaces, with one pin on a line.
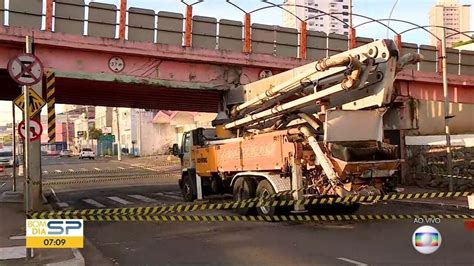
pixel 188 191
pixel 244 188
pixel 264 190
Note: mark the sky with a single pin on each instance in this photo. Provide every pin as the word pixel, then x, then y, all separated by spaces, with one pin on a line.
pixel 415 11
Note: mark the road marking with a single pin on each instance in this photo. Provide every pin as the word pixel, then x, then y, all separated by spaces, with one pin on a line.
pixel 143 198
pixel 71 170
pixel 45 172
pixel 62 204
pixel 18 237
pixel 9 253
pixel 169 195
pixel 119 200
pixel 121 168
pixel 83 169
pixel 3 185
pixel 58 171
pixel 95 203
pixel 352 261
pixel 97 169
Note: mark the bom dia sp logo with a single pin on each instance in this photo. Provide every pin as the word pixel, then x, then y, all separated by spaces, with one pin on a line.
pixel 54 233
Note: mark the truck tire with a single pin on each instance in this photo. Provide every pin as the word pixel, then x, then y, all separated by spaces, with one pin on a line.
pixel 265 189
pixel 188 189
pixel 244 188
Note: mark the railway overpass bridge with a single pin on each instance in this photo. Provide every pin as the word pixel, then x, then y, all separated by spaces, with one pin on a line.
pixel 178 62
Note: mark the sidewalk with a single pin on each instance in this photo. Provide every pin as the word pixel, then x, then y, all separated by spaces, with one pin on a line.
pixel 459 202
pixel 12 241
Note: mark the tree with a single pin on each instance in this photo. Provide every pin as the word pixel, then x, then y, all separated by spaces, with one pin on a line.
pixel 95 133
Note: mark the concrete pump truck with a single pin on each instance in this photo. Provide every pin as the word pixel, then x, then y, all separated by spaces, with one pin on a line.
pixel 316 131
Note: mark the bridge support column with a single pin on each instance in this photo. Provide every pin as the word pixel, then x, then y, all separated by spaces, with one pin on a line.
pixel 123 19
pixel 439 48
pixel 247 36
pixel 49 15
pixel 303 39
pixel 188 27
pixel 352 38
pixel 398 42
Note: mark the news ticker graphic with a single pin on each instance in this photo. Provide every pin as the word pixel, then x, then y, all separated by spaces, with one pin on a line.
pixel 54 233
pixel 249 203
pixel 426 239
pixel 257 218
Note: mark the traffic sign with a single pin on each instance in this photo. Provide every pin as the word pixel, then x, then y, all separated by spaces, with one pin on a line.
pixel 35 129
pixel 25 69
pixel 116 64
pixel 35 102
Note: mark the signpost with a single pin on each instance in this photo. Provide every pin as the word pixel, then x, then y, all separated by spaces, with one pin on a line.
pixel 35 130
pixel 27 70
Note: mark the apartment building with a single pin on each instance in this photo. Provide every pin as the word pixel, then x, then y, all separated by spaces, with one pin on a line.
pixel 449 13
pixel 310 11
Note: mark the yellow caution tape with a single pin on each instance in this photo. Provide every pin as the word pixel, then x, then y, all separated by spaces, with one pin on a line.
pixel 178 208
pixel 259 218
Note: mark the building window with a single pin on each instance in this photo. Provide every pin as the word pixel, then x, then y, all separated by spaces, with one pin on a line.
pixel 345 7
pixel 345 20
pixel 345 33
pixel 332 5
pixel 345 26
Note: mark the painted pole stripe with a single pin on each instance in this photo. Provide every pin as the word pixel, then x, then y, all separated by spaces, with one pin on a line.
pixel 237 218
pixel 51 100
pixel 177 208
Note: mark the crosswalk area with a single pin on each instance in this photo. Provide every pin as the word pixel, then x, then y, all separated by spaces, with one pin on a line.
pixel 122 200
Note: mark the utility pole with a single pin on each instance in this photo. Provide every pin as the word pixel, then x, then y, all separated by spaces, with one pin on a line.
pixel 14 146
pixel 449 162
pixel 87 127
pixel 119 151
pixel 27 192
pixel 139 142
pixel 67 129
pixel 350 14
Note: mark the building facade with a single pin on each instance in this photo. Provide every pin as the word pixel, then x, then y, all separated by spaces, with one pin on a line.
pixel 310 11
pixel 150 132
pixel 449 13
pixel 103 119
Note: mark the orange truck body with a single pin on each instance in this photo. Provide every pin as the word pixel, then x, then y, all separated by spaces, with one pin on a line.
pixel 264 152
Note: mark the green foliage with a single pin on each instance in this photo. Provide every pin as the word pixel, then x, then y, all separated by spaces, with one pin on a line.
pixel 95 133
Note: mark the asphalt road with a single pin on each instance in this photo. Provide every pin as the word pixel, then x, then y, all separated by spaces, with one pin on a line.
pixel 237 243
pixel 260 243
pixel 250 243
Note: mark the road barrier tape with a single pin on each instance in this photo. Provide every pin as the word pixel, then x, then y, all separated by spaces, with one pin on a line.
pixel 106 179
pixel 258 218
pixel 178 208
pixel 67 173
pixel 446 176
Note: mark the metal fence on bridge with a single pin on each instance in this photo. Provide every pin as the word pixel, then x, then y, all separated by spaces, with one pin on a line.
pixel 145 25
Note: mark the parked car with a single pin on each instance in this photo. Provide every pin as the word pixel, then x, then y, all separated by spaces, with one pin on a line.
pixel 6 158
pixel 87 153
pixel 65 153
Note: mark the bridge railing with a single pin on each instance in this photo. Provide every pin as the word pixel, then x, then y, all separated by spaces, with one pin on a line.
pixel 146 25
